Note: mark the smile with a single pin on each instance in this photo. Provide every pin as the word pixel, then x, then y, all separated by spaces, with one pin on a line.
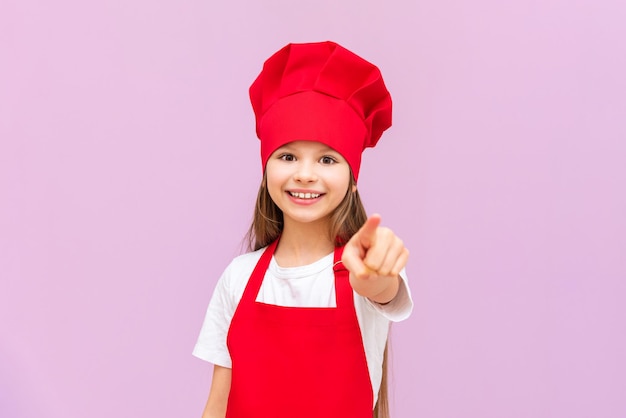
pixel 305 195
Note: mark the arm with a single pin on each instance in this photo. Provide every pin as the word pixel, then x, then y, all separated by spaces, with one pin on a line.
pixel 375 256
pixel 218 395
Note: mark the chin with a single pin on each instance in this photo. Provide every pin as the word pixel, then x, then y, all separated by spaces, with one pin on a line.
pixel 310 219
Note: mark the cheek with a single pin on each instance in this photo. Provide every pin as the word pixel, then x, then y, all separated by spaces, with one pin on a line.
pixel 343 181
pixel 274 181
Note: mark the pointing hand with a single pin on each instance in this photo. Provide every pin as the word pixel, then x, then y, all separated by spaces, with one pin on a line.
pixel 375 256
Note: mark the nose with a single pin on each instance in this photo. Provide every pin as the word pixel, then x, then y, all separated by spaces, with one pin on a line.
pixel 305 172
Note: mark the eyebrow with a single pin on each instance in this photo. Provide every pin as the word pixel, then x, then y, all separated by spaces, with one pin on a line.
pixel 289 147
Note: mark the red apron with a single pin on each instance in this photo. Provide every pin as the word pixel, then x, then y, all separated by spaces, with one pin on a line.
pixel 297 362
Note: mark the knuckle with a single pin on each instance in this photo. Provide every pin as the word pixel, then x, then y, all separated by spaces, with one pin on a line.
pixel 383 231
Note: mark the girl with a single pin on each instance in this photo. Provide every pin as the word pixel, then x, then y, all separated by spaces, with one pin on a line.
pixel 298 327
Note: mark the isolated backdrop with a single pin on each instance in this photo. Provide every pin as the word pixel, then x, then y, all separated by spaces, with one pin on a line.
pixel 129 166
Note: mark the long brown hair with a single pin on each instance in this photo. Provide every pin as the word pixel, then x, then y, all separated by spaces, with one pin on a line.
pixel 345 221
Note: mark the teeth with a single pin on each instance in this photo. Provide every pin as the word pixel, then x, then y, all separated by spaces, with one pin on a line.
pixel 305 195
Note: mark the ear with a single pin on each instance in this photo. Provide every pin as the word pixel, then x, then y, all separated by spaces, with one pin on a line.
pixel 353 188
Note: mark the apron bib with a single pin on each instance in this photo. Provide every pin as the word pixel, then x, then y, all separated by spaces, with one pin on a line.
pixel 297 362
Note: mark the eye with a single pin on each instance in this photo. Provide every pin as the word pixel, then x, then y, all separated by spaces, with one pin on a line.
pixel 327 159
pixel 287 157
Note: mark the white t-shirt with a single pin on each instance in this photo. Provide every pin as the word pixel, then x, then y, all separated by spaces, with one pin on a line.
pixel 312 285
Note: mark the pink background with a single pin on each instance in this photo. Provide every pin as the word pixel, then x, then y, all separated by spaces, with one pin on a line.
pixel 129 165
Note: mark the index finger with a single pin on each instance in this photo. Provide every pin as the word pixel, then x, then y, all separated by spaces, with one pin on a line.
pixel 368 230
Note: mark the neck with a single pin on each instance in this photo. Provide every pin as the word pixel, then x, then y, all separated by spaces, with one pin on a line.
pixel 303 243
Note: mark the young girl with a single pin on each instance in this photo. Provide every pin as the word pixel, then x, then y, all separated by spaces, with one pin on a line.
pixel 298 327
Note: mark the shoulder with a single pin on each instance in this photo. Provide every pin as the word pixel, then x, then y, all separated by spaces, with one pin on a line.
pixel 240 269
pixel 245 261
pixel 232 282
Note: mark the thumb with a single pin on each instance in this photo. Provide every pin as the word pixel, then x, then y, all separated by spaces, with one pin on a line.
pixel 367 233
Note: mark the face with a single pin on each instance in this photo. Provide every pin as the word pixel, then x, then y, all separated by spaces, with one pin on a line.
pixel 307 180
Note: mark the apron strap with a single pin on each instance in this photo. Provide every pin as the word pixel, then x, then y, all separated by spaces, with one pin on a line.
pixel 256 279
pixel 343 291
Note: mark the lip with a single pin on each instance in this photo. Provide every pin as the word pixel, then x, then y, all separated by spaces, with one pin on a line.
pixel 303 191
pixel 304 202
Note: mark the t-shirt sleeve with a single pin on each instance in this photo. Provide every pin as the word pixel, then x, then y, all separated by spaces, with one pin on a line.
pixel 211 344
pixel 401 306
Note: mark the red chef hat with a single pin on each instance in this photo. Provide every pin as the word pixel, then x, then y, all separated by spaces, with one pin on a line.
pixel 320 92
